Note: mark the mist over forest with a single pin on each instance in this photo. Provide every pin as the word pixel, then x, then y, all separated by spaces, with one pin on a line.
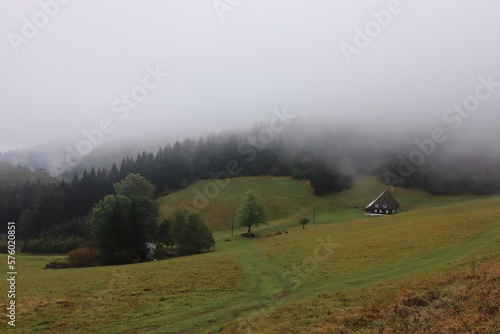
pixel 327 154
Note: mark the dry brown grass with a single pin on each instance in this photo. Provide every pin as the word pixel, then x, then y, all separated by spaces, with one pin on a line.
pixel 465 303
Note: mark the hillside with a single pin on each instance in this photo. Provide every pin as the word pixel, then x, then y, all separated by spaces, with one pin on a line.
pixel 284 198
pixel 343 274
pixel 16 176
pixel 288 200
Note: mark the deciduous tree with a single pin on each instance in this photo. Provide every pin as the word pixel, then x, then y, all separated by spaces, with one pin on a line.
pixel 303 221
pixel 122 223
pixel 190 233
pixel 252 211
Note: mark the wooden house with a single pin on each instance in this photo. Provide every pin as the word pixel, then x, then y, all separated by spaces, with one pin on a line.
pixel 384 204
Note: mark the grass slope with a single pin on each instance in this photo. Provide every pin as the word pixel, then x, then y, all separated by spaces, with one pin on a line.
pixel 285 283
pixel 218 205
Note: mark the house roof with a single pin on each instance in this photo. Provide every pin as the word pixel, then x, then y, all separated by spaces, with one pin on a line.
pixel 384 197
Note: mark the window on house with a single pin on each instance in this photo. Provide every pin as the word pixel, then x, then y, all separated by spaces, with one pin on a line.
pixel 385 205
pixel 376 205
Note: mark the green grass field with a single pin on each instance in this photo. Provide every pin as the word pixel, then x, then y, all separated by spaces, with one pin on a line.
pixel 285 283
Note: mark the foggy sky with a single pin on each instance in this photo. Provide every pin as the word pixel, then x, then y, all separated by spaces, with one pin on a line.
pixel 229 66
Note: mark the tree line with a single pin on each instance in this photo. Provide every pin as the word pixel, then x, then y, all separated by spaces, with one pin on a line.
pixel 445 174
pixel 328 156
pixel 41 207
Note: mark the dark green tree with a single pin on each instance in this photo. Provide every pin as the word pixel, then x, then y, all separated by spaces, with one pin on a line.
pixel 190 233
pixel 112 231
pixel 26 226
pixel 144 208
pixel 326 180
pixel 303 221
pixel 122 223
pixel 163 235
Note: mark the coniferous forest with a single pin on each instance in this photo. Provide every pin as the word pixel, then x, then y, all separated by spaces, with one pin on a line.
pixel 46 207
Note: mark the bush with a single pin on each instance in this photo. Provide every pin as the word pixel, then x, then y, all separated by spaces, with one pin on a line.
pixel 84 257
pixel 56 265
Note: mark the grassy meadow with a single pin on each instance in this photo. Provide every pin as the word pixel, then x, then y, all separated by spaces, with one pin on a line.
pixel 335 276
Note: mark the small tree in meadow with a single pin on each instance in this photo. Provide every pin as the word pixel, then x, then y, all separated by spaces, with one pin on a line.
pixel 303 221
pixel 252 211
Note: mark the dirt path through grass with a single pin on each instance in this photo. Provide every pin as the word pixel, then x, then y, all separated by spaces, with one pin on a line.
pixel 264 278
pixel 263 289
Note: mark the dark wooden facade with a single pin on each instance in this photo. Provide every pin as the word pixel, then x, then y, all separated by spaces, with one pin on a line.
pixel 384 204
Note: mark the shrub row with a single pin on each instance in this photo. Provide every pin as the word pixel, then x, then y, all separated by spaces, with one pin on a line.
pixel 52 245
